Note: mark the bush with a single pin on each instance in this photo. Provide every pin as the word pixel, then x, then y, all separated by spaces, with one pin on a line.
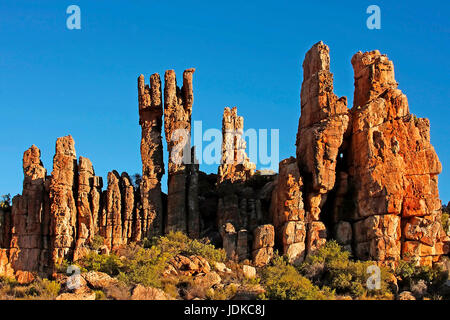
pixel 331 266
pixel 5 203
pixel 145 267
pixel 283 282
pixel 97 242
pixel 178 243
pixel 445 220
pixel 110 264
pixel 410 275
pixel 44 289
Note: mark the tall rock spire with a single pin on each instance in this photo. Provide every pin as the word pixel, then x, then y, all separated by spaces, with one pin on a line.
pixel 150 119
pixel 63 210
pixel 177 125
pixel 235 164
pixel 393 171
pixel 323 122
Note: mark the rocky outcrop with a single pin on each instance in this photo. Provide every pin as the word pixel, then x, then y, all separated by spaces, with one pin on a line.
pixel 263 242
pixel 177 125
pixel 150 120
pixel 366 177
pixel 128 207
pixel 323 122
pixel 235 164
pixel 29 234
pixel 392 170
pixel 287 211
pixel 86 218
pixel 63 210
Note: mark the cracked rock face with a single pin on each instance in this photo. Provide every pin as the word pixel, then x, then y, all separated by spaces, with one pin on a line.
pixel 63 210
pixel 235 166
pixel 150 120
pixel 177 125
pixel 393 170
pixel 323 122
pixel 366 177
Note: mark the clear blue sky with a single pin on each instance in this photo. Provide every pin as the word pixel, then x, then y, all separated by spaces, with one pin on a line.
pixel 55 81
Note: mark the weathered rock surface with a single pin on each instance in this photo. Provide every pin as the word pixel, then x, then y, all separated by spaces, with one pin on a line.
pixel 366 177
pixel 86 224
pixel 323 122
pixel 29 233
pixel 287 211
pixel 177 125
pixel 63 210
pixel 235 164
pixel 148 293
pixel 393 170
pixel 150 119
pixel 263 242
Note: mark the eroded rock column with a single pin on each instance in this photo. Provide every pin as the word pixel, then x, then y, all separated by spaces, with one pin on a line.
pixel 287 211
pixel 177 125
pixel 63 210
pixel 235 165
pixel 323 123
pixel 27 251
pixel 150 120
pixel 393 171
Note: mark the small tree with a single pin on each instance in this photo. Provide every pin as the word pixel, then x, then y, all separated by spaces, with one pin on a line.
pixel 5 203
pixel 137 178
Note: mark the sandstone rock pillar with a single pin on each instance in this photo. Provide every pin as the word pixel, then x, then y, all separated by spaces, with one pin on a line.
pixel 63 211
pixel 27 252
pixel 287 211
pixel 177 125
pixel 150 120
pixel 393 171
pixel 235 164
pixel 323 122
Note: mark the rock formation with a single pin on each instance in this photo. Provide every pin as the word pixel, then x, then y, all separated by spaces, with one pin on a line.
pixel 150 119
pixel 29 233
pixel 177 125
pixel 392 170
pixel 288 214
pixel 63 210
pixel 88 204
pixel 323 122
pixel 235 164
pixel 366 177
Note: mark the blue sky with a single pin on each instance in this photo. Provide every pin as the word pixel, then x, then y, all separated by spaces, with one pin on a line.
pixel 55 81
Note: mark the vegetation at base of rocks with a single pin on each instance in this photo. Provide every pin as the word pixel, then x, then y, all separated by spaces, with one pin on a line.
pixel 445 219
pixel 329 273
pixel 331 266
pixel 422 281
pixel 99 295
pixel 39 289
pixel 146 264
pixel 283 281
pixel 5 203
pixel 178 243
pixel 97 242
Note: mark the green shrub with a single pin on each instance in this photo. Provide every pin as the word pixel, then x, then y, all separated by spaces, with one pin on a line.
pixel 5 203
pixel 283 282
pixel 99 295
pixel 97 242
pixel 334 268
pixel 44 289
pixel 178 243
pixel 110 264
pixel 445 220
pixel 146 267
pixel 409 273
